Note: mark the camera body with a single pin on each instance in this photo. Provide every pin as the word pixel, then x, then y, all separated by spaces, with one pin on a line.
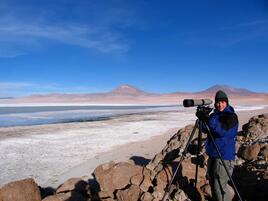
pixel 204 109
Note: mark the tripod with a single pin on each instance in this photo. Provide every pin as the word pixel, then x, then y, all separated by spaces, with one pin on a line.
pixel 199 123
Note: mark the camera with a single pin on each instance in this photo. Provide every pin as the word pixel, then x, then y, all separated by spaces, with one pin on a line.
pixel 203 109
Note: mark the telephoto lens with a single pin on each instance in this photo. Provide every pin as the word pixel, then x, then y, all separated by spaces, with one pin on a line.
pixel 196 102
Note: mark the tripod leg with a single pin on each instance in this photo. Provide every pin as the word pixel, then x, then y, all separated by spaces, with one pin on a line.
pixel 224 165
pixel 198 151
pixel 181 159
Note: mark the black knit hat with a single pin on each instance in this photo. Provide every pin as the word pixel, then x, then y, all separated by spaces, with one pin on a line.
pixel 221 96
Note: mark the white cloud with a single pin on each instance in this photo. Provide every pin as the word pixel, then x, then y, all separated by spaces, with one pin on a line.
pixel 17 37
pixel 14 85
pixel 29 88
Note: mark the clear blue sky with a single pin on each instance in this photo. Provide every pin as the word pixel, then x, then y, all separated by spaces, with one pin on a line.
pixel 87 46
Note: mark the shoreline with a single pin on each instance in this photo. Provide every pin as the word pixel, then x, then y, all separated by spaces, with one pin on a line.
pixel 140 152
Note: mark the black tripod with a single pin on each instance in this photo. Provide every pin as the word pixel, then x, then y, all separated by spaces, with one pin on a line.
pixel 199 123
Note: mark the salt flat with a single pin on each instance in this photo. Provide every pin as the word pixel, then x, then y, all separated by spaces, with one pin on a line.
pixel 47 151
pixel 55 152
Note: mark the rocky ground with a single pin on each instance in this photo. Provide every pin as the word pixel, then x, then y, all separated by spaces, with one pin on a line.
pixel 138 180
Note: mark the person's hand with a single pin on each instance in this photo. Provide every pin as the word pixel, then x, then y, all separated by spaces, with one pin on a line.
pixel 202 115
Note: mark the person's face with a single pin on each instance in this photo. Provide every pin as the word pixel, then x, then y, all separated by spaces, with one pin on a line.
pixel 221 105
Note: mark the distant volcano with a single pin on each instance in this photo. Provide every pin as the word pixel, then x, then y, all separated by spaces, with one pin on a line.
pixel 127 89
pixel 228 89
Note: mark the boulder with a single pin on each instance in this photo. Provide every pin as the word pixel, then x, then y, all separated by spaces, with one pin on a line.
pixel 103 195
pixel 256 128
pixel 264 152
pixel 147 197
pixel 22 190
pixel 206 190
pixel 250 152
pixel 118 176
pixel 156 160
pixel 265 175
pixel 146 182
pixel 74 184
pixel 107 199
pixel 189 169
pixel 180 196
pixel 70 196
pixel 164 177
pixel 136 179
pixel 132 193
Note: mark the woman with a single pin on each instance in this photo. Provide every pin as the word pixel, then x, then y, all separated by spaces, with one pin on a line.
pixel 223 125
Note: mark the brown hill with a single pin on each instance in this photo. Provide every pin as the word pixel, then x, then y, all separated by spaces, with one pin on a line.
pixel 127 94
pixel 128 90
pixel 229 90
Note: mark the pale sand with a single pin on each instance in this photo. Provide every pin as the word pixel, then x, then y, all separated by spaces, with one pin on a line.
pixel 140 151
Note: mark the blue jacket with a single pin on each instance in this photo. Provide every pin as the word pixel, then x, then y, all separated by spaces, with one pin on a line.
pixel 223 127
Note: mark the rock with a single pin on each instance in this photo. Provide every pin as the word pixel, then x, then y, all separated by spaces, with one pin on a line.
pixel 256 128
pixel 261 162
pixel 171 150
pixel 240 138
pixel 74 184
pixel 107 199
pixel 250 152
pixel 264 152
pixel 112 177
pixel 239 161
pixel 132 193
pixel 265 175
pixel 103 194
pixel 164 176
pixel 158 193
pixel 137 179
pixel 163 179
pixel 156 160
pixel 180 196
pixel 70 196
pixel 237 147
pixel 22 190
pixel 146 182
pixel 189 169
pixel 206 190
pixel 147 197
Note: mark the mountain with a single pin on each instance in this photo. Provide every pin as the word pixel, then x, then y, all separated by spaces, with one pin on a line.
pixel 229 90
pixel 127 89
pixel 127 94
